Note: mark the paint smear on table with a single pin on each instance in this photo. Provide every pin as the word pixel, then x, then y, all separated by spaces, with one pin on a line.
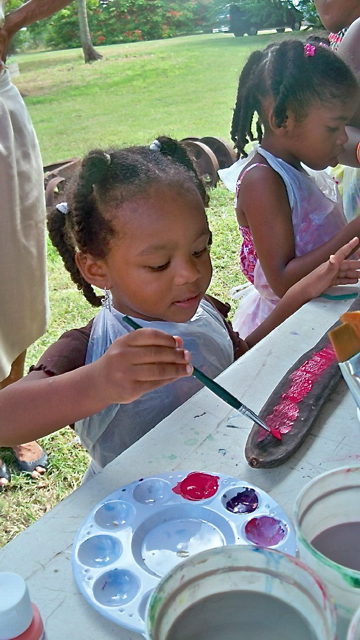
pixel 302 381
pixel 197 486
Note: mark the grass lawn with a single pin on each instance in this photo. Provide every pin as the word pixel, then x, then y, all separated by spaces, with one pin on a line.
pixel 180 87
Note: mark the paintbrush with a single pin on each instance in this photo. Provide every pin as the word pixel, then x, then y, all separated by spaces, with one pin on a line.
pixel 220 392
pixel 346 343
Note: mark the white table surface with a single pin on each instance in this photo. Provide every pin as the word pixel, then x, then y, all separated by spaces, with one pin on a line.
pixel 194 437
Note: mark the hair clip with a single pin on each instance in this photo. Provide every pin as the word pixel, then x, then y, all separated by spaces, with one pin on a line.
pixel 107 157
pixel 155 146
pixel 309 50
pixel 323 44
pixel 62 207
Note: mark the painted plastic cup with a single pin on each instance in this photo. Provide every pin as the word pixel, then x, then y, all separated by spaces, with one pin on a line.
pixel 327 511
pixel 240 593
pixel 354 628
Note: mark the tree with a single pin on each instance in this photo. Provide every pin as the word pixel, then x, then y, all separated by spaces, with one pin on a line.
pixel 38 30
pixel 90 53
pixel 310 13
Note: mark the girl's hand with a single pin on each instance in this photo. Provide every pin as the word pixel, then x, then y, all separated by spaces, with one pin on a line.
pixel 337 270
pixel 139 362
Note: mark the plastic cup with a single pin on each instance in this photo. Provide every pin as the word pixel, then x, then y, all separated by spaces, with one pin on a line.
pixel 240 592
pixel 330 500
pixel 354 628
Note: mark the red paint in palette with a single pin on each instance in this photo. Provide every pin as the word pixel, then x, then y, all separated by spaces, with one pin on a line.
pixel 302 380
pixel 197 486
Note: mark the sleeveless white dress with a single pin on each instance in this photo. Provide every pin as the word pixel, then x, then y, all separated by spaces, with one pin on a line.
pixel 317 215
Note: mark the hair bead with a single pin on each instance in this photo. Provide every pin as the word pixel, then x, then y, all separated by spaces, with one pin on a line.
pixel 309 50
pixel 62 207
pixel 155 146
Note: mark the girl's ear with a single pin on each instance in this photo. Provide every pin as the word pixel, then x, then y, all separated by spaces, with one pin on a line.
pixel 92 269
pixel 278 130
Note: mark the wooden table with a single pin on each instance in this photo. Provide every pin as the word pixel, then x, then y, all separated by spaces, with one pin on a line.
pixel 194 437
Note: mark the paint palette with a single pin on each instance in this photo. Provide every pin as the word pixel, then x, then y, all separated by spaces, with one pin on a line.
pixel 141 531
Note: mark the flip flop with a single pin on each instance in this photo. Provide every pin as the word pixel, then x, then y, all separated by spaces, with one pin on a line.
pixel 29 467
pixel 4 473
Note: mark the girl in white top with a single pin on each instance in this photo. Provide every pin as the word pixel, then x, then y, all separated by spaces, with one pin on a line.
pixel 289 212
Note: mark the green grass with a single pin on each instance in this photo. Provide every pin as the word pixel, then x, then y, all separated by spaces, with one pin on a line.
pixel 181 87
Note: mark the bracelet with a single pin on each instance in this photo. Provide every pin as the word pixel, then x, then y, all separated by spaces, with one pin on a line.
pixel 357 153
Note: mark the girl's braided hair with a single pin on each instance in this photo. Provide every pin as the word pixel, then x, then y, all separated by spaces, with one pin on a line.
pixel 294 79
pixel 106 180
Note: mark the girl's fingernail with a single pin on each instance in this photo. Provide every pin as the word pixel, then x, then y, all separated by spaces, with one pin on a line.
pixel 189 368
pixel 187 355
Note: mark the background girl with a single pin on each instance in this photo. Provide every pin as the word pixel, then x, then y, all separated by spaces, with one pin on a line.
pixel 289 212
pixel 135 226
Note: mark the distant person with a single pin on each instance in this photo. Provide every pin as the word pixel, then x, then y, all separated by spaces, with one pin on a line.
pixel 135 226
pixel 289 212
pixel 337 16
pixel 23 283
pixel 340 18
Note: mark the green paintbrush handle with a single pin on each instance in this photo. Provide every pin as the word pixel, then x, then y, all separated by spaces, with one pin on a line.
pixel 217 389
pixel 214 387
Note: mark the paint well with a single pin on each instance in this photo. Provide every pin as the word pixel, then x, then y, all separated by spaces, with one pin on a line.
pixel 265 531
pixel 241 615
pixel 197 486
pixel 341 544
pixel 245 501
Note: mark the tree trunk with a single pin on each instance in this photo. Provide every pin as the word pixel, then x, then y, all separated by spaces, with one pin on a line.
pixel 90 54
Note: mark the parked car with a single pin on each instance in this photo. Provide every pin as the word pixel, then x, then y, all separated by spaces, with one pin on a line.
pixel 222 21
pixel 250 16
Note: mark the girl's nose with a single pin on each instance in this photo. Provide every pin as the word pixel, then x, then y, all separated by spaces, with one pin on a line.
pixel 187 271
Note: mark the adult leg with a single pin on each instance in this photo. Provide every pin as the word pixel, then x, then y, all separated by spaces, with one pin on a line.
pixel 30 456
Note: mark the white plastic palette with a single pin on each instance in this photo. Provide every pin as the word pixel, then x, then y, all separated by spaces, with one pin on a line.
pixel 140 532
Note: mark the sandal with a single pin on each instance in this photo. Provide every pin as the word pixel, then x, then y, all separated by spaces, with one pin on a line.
pixel 29 467
pixel 4 473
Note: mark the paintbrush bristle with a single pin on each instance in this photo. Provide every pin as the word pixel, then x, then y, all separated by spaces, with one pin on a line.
pixel 353 318
pixel 345 341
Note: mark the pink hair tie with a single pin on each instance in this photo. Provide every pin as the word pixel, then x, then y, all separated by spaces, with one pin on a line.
pixel 309 50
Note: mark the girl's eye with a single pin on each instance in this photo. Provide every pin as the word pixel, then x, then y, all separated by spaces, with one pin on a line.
pixel 161 267
pixel 334 129
pixel 202 251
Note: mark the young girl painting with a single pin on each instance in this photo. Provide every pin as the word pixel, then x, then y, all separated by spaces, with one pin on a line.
pixel 288 209
pixel 135 226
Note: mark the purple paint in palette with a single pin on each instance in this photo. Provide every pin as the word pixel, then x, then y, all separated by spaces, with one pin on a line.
pixel 265 531
pixel 246 501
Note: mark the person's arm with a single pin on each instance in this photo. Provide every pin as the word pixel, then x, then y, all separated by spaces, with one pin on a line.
pixel 337 14
pixel 134 364
pixel 349 51
pixel 267 212
pixel 30 12
pixel 337 270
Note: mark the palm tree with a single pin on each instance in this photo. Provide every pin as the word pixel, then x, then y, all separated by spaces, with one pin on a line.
pixel 90 53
